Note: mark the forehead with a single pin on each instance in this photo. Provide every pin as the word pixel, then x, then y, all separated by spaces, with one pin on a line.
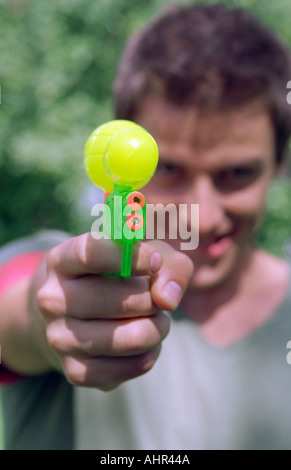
pixel 242 132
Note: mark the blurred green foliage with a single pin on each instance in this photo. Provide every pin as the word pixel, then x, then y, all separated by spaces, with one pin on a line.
pixel 275 232
pixel 58 61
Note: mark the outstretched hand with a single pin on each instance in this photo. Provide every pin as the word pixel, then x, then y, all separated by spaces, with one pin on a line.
pixel 104 329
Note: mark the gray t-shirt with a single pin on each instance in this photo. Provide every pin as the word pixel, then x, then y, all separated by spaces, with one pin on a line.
pixel 196 397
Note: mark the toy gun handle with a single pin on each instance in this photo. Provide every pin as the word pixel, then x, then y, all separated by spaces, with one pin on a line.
pixel 126 260
pixel 135 222
pixel 126 222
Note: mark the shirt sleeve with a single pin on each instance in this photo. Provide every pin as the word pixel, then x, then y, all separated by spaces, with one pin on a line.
pixel 12 271
pixel 18 260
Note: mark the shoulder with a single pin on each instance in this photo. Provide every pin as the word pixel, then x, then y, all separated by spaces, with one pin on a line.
pixel 20 257
pixel 274 272
pixel 273 285
pixel 40 241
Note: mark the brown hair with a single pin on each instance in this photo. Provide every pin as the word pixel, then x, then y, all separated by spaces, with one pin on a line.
pixel 213 57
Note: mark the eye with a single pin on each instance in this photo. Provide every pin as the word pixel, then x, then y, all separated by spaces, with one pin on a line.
pixel 169 172
pixel 237 177
pixel 239 173
pixel 167 168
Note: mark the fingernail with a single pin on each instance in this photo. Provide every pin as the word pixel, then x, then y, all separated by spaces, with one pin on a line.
pixel 173 292
pixel 156 262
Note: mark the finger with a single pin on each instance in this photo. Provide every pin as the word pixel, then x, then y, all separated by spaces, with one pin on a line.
pixel 83 255
pixel 145 259
pixel 94 296
pixel 107 338
pixel 171 281
pixel 108 372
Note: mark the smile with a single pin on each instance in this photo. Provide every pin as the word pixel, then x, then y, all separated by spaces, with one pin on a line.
pixel 216 248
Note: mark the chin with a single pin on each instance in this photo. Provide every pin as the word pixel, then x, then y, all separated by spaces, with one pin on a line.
pixel 207 277
pixel 210 274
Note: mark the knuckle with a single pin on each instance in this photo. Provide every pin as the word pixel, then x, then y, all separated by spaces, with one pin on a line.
pixel 139 300
pixel 184 263
pixel 82 250
pixel 187 264
pixel 86 248
pixel 174 258
pixel 147 360
pixel 133 304
pixel 55 337
pixel 49 300
pixel 74 371
pixel 82 374
pixel 147 250
pixel 44 300
pixel 137 338
pixel 128 305
pixel 143 335
pixel 52 258
pixel 74 378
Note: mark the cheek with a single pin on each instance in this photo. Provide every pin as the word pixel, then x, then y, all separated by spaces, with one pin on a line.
pixel 248 207
pixel 155 194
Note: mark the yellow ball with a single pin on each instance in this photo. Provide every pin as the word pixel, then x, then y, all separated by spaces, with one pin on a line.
pixel 95 149
pixel 131 157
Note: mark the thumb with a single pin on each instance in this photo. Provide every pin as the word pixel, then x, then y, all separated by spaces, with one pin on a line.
pixel 170 282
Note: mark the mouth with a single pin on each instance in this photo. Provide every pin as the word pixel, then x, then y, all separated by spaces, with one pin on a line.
pixel 216 248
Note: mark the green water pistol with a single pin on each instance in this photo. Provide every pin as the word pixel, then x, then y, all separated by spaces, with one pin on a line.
pixel 121 157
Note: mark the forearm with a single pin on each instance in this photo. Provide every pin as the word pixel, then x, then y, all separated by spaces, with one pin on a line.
pixel 22 330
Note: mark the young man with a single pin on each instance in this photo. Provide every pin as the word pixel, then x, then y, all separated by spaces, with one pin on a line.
pixel 209 83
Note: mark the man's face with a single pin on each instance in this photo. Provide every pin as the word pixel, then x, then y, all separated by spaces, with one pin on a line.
pixel 224 162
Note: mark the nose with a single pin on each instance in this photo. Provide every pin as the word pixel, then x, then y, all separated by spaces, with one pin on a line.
pixel 211 212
